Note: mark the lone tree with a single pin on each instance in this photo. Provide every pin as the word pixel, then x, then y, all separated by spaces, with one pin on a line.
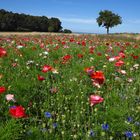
pixel 108 19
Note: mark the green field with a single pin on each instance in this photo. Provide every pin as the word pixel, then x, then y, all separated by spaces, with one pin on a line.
pixel 81 87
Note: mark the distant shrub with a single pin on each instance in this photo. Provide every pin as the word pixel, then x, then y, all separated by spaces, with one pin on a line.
pixel 67 31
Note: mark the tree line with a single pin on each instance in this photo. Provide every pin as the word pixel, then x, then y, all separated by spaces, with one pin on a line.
pixel 10 21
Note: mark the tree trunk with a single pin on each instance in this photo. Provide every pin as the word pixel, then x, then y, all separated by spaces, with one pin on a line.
pixel 107 30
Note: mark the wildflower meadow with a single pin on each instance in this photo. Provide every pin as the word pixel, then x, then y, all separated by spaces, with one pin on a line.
pixel 65 87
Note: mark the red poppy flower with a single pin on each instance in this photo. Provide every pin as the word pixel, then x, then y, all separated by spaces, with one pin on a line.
pixel 99 54
pixel 135 57
pixel 91 50
pixel 63 43
pixel 95 99
pixel 107 57
pixel 40 78
pixel 2 52
pixel 79 55
pixel 56 48
pixel 119 63
pixel 2 90
pixel 98 77
pixel 46 68
pixel 67 57
pixel 107 44
pixel 118 44
pixel 72 40
pixel 17 112
pixel 136 46
pixel 83 43
pixel 127 44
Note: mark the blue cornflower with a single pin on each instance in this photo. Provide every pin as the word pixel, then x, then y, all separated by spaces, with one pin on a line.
pixel 91 133
pixel 55 125
pixel 43 130
pixel 12 106
pixel 48 114
pixel 129 119
pixel 137 123
pixel 128 134
pixel 105 127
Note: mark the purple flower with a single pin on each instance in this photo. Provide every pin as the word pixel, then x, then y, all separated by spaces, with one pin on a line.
pixel 12 106
pixel 90 71
pixel 55 125
pixel 105 127
pixel 129 119
pixel 91 133
pixel 48 114
pixel 128 134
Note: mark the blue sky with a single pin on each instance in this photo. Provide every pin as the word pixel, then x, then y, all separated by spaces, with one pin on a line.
pixel 80 15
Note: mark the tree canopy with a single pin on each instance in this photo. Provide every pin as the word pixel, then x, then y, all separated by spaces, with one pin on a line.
pixel 108 19
pixel 21 22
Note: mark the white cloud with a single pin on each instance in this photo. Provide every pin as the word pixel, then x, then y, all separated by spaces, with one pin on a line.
pixel 78 20
pixel 135 21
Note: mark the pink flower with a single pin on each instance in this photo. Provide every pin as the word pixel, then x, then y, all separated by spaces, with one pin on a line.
pixel 42 45
pixel 115 58
pixel 122 72
pixel 122 55
pixel 111 59
pixel 96 84
pixel 54 90
pixel 10 97
pixel 14 64
pixel 119 63
pixel 95 99
pixel 130 80
pixel 66 47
